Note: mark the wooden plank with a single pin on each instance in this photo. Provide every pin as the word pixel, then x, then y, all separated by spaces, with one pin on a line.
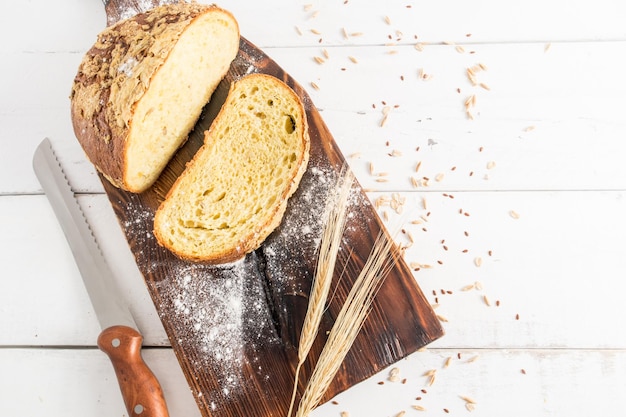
pixel 564 252
pixel 61 382
pixel 559 265
pixel 551 120
pixel 555 382
pixel 74 382
pixel 53 307
pixel 433 22
pixel 570 96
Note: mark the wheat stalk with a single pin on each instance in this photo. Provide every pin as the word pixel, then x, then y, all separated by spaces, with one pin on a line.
pixel 348 323
pixel 329 248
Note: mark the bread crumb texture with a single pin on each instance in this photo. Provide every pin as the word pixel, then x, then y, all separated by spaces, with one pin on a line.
pixel 234 192
pixel 141 87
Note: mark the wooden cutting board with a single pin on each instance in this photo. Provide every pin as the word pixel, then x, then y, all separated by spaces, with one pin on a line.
pixel 235 328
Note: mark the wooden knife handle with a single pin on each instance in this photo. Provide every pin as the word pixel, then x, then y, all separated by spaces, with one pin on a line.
pixel 141 390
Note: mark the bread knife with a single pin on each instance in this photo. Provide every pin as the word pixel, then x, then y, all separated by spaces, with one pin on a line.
pixel 119 338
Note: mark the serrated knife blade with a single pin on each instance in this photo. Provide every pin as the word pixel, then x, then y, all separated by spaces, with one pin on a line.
pixel 120 338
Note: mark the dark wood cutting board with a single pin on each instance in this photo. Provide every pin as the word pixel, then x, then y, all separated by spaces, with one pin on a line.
pixel 235 328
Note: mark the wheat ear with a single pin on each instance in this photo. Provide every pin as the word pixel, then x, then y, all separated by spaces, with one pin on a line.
pixel 327 257
pixel 348 323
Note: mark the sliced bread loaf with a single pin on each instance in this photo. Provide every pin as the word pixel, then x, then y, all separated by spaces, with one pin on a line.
pixel 142 86
pixel 234 191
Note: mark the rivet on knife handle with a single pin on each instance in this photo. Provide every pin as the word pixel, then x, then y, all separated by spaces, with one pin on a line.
pixel 140 388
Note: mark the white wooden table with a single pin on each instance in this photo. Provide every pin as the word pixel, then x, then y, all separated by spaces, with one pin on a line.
pixel 515 200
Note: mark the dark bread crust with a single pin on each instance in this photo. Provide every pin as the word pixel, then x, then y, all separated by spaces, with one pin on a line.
pixel 105 92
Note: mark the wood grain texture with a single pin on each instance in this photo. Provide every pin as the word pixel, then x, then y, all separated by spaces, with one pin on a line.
pixel 276 278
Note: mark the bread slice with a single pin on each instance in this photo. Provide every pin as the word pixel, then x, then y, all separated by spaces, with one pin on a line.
pixel 142 86
pixel 234 192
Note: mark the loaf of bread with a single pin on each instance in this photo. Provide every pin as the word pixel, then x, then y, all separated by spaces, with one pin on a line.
pixel 234 192
pixel 142 86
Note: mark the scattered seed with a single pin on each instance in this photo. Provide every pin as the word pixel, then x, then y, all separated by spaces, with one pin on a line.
pixel 442 319
pixel 460 49
pixel 523 371
pixel 315 86
pixel 401 414
pixel 485 86
pixel 491 165
pixel 418 408
pixel 353 59
pixel 345 414
pixel 547 47
pixel 468 399
pixel 298 31
pixel 446 410
pixel 447 362
pixel 316 32
pixel 439 177
pixel 471 76
pixel 394 374
pixel 514 214
pixel 478 285
pixel 468 287
pixel 319 59
pixel 478 261
pixel 431 381
pixel 486 300
pixel 529 128
pixel 517 317
pixel 470 407
pixel 387 20
pixel 472 359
